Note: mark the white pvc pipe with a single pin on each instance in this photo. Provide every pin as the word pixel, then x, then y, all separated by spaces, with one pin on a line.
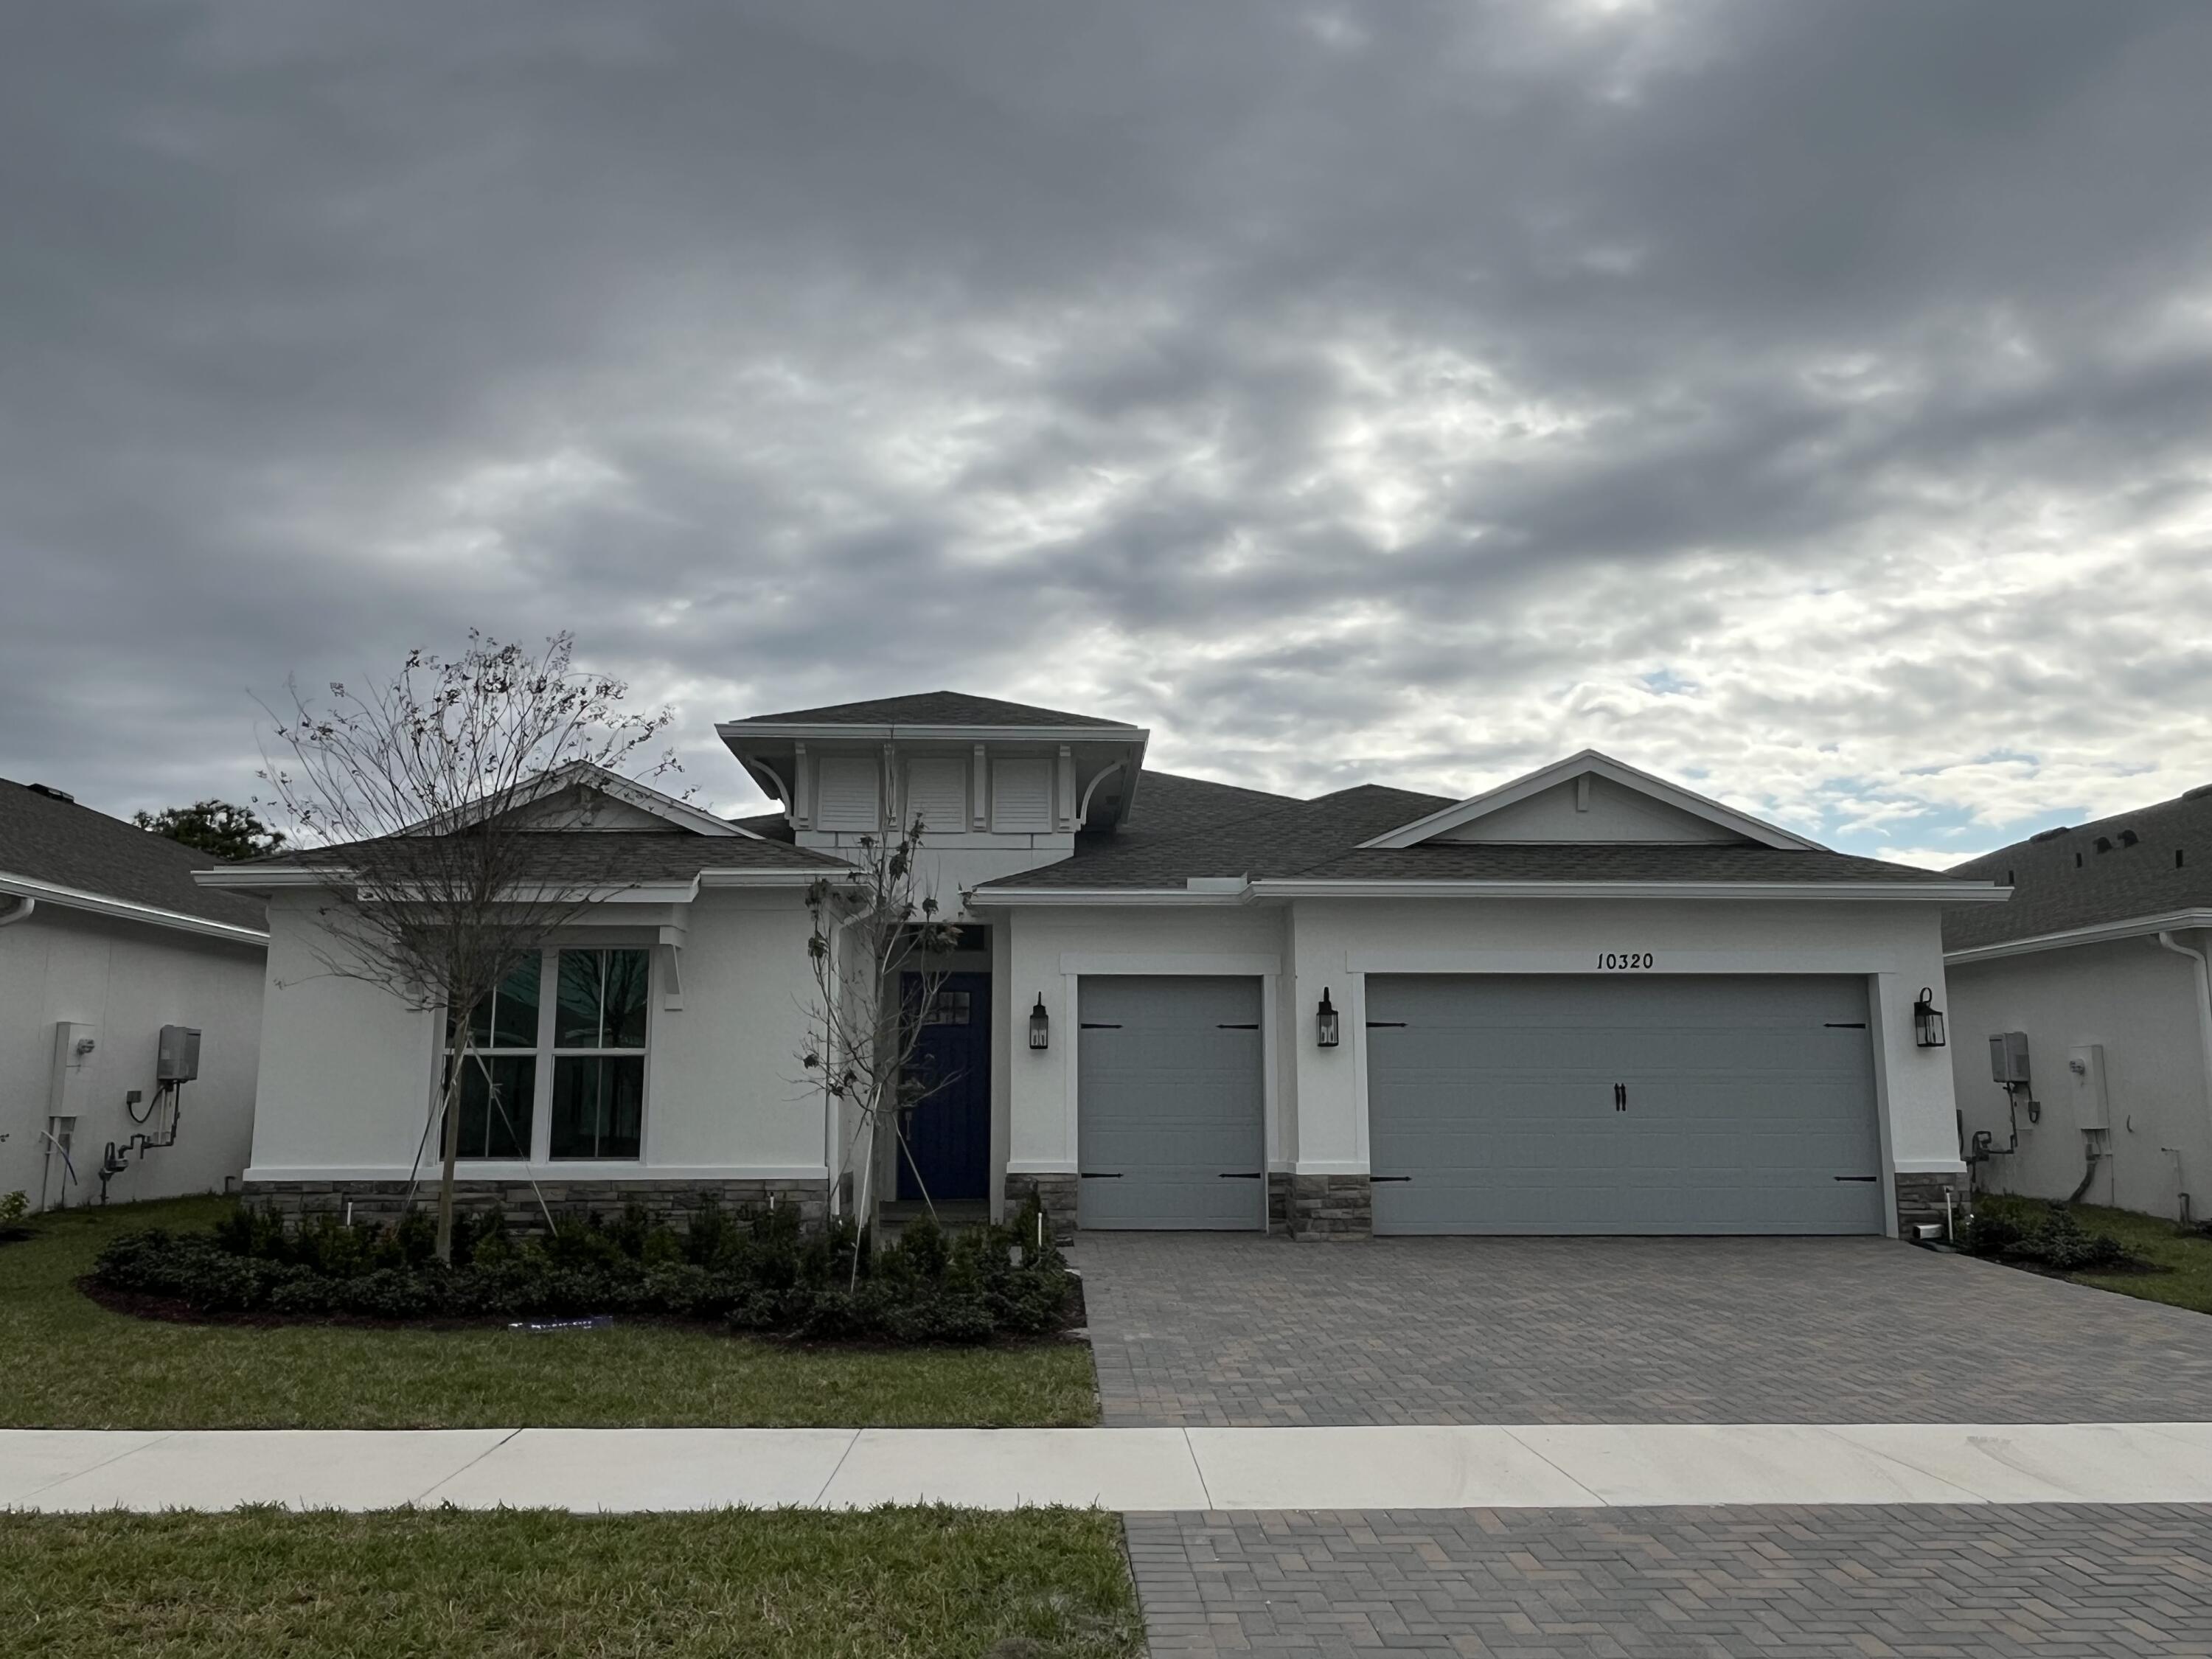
pixel 2167 941
pixel 24 905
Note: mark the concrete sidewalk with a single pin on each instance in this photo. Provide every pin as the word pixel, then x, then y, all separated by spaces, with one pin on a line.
pixel 1545 1466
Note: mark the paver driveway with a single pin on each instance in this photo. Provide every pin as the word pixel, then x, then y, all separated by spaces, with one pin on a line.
pixel 1192 1328
pixel 2064 1580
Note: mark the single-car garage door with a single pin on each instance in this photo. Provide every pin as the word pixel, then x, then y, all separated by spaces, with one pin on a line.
pixel 1169 1112
pixel 1532 1105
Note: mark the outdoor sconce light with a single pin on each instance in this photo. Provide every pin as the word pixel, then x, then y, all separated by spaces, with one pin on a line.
pixel 1927 1020
pixel 1040 1025
pixel 1325 1030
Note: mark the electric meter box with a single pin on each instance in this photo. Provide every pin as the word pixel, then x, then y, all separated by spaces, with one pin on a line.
pixel 2009 1057
pixel 176 1058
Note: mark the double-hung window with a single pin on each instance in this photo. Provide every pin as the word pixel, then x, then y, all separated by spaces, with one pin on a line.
pixel 499 1083
pixel 598 1054
pixel 573 1062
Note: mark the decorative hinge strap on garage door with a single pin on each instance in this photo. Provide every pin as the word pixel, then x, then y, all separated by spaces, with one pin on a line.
pixel 1374 1179
pixel 1254 1026
pixel 1095 1025
pixel 1240 1175
pixel 1099 1174
pixel 1858 1178
pixel 1386 1025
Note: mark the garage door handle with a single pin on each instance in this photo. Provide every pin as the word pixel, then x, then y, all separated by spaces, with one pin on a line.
pixel 1620 1097
pixel 1240 1175
pixel 1858 1178
pixel 1099 1174
pixel 1377 1180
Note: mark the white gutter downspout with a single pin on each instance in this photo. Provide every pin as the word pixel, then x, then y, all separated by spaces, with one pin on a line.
pixel 2203 1005
pixel 21 912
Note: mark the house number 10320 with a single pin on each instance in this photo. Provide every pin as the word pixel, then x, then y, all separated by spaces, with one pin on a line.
pixel 1614 962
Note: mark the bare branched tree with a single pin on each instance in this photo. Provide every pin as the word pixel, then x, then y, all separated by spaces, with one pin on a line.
pixel 408 794
pixel 876 939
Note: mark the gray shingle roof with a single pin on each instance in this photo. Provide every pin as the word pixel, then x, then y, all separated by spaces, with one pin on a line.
pixel 1320 840
pixel 66 845
pixel 2065 882
pixel 933 708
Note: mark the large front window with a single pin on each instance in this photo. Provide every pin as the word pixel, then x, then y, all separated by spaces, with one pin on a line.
pixel 574 1062
pixel 598 1054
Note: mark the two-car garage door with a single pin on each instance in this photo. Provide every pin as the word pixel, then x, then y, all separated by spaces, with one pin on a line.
pixel 1504 1104
pixel 1596 1104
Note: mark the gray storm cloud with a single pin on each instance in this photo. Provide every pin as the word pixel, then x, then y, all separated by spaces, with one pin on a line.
pixel 1808 400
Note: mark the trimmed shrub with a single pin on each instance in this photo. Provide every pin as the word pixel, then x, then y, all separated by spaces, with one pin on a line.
pixel 2042 1235
pixel 759 1271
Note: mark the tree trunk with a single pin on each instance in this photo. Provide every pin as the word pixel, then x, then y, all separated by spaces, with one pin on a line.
pixel 451 1138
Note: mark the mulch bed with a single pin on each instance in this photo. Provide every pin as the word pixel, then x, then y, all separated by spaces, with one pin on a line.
pixel 173 1310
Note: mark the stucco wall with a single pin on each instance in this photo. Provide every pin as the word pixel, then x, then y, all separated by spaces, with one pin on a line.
pixel 126 981
pixel 2139 1002
pixel 347 1068
pixel 1318 1126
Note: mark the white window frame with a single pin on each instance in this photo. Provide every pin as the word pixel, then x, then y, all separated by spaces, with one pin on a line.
pixel 547 1054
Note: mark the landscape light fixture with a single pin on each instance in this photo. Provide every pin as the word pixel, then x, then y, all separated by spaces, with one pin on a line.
pixel 1927 1020
pixel 1326 1031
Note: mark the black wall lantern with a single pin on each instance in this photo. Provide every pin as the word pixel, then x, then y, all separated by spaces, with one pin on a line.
pixel 1326 1031
pixel 1040 1025
pixel 1927 1020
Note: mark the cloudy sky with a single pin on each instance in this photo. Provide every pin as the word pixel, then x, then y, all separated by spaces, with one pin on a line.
pixel 1811 401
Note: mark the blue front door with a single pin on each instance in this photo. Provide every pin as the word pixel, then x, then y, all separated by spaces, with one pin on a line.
pixel 946 1154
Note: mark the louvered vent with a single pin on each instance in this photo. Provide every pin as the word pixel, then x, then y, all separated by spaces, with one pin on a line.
pixel 1021 795
pixel 847 797
pixel 937 793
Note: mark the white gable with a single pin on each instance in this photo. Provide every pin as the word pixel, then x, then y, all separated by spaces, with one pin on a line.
pixel 1589 808
pixel 582 796
pixel 585 809
pixel 1589 798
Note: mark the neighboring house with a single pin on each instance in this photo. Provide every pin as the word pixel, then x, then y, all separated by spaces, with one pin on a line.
pixel 1588 1001
pixel 106 939
pixel 2099 962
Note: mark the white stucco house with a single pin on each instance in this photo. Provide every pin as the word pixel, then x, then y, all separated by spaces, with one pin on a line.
pixel 1589 1001
pixel 2096 970
pixel 106 943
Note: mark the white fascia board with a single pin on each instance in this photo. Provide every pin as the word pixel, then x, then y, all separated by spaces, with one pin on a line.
pixel 1613 771
pixel 1884 892
pixel 771 878
pixel 154 916
pixel 734 732
pixel 2097 934
pixel 265 877
pixel 985 898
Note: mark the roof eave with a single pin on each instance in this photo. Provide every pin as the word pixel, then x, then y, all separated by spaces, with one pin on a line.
pixel 733 731
pixel 1904 892
pixel 2095 933
pixel 154 916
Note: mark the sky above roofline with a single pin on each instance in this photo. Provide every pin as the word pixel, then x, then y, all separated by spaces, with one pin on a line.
pixel 1811 405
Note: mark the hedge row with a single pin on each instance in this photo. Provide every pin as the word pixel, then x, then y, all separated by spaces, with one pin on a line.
pixel 758 1272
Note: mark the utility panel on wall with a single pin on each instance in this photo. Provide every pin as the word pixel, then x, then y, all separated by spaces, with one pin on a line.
pixel 2092 1105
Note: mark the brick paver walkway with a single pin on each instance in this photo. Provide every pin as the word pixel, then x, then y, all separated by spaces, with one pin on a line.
pixel 1967 1583
pixel 1194 1329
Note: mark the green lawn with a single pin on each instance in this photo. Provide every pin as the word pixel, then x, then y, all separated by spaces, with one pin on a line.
pixel 72 1364
pixel 2186 1257
pixel 500 1585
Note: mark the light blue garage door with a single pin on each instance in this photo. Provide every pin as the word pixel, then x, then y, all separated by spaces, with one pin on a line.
pixel 1169 1104
pixel 1528 1104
